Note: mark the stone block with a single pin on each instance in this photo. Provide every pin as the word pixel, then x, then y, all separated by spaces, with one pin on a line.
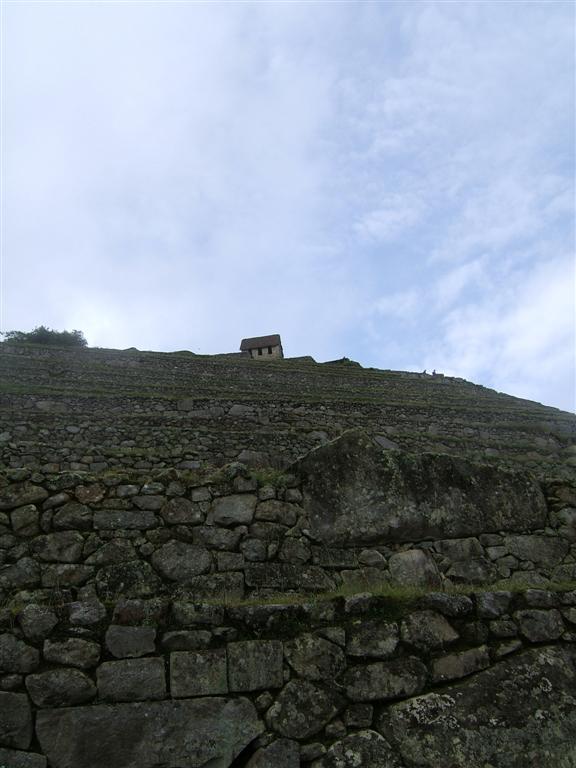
pixel 62 547
pixel 386 680
pixel 314 658
pixel 73 516
pixel 25 521
pixel 274 511
pixel 414 568
pixel 130 642
pixel 199 732
pixel 37 621
pixel 60 688
pixel 15 720
pixel 457 665
pixel 255 664
pixel 15 759
pixel 303 708
pixel 365 748
pixel 124 519
pixel 538 626
pixel 283 753
pixel 181 562
pixel 73 652
pixel 128 580
pixel 372 639
pixel 216 538
pixel 237 509
pixel 217 586
pixel 179 511
pixel 201 673
pixel 186 640
pixel 492 605
pixel 427 630
pixel 281 576
pixel 16 656
pixel 132 680
pixel 61 575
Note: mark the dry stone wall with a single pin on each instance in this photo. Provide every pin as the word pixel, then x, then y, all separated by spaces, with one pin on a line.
pixel 486 679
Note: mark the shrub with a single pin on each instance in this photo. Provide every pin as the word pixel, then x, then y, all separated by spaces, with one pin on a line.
pixel 43 335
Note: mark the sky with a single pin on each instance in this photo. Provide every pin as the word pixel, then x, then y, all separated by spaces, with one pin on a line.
pixel 388 181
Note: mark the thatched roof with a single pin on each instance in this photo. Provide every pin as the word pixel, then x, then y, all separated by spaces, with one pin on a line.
pixel 261 341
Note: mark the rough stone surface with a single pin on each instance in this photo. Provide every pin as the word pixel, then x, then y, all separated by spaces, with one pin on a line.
pixel 365 748
pixel 283 753
pixel 539 626
pixel 303 708
pixel 414 568
pixel 255 664
pixel 130 642
pixel 385 680
pixel 15 720
pixel 520 712
pixel 491 605
pixel 456 665
pixel 543 551
pixel 237 509
pixel 136 579
pixel 17 656
pixel 180 511
pixel 73 652
pixel 171 734
pixel 372 639
pixel 181 562
pixel 132 680
pixel 202 673
pixel 427 630
pixel 63 547
pixel 16 759
pixel 314 657
pixel 355 493
pixel 37 621
pixel 60 688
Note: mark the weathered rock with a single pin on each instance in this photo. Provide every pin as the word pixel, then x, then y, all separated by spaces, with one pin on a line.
pixel 283 753
pixel 130 642
pixel 415 568
pixel 115 551
pixel 25 521
pixel 314 657
pixel 17 656
pixel 454 606
pixel 237 509
pixel 539 626
pixel 216 538
pixel 15 720
pixel 372 639
pixel 186 640
pixel 202 673
pixel 181 562
pixel 477 570
pixel 385 680
pixel 73 516
pixel 196 733
pixel 459 549
pixel 281 576
pixel 73 652
pixel 274 511
pixel 303 708
pixel 543 551
pixel 25 574
pixel 255 664
pixel 491 605
pixel 16 759
pixel 216 586
pixel 60 688
pixel 179 511
pixel 63 547
pixel 365 748
pixel 427 630
pixel 135 579
pixel 37 621
pixel 20 495
pixel 456 665
pixel 124 519
pixel 520 712
pixel 62 575
pixel 188 614
pixel 132 680
pixel 355 493
pixel 86 613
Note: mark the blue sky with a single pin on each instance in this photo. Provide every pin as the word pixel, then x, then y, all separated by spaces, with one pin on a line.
pixel 392 182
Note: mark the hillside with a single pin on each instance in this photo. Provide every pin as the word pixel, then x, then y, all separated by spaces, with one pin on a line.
pixel 96 408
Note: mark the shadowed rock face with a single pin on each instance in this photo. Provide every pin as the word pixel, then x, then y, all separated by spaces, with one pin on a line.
pixel 521 712
pixel 357 493
pixel 170 734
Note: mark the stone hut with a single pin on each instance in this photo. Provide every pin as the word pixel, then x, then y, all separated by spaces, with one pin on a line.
pixel 263 347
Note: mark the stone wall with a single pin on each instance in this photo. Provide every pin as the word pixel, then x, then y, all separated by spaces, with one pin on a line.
pixel 454 680
pixel 95 409
pixel 349 514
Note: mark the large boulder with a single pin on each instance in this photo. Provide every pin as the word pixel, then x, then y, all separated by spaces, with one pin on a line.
pixel 356 493
pixel 520 712
pixel 192 733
